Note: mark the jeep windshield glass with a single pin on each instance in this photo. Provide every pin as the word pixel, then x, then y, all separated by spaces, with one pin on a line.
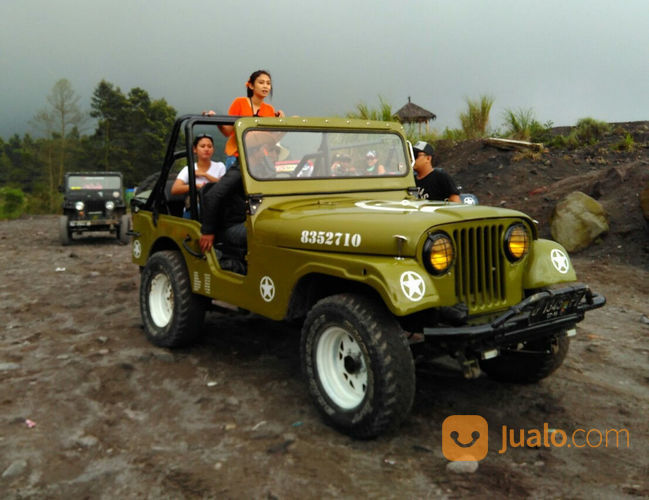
pixel 270 154
pixel 95 182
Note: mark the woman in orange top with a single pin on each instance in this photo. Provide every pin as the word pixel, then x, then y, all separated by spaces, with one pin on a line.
pixel 258 87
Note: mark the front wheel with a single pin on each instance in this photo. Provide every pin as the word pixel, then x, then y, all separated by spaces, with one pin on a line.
pixel 122 231
pixel 357 364
pixel 171 313
pixel 64 230
pixel 529 362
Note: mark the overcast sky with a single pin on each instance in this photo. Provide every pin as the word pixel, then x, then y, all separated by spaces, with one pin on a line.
pixel 564 59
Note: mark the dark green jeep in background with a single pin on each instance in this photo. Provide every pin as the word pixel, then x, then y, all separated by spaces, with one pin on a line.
pixel 373 272
pixel 93 201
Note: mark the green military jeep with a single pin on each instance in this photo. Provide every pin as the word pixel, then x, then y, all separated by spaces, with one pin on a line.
pixel 93 201
pixel 373 273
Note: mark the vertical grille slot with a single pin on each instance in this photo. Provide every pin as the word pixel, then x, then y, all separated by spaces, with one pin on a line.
pixel 94 205
pixel 479 276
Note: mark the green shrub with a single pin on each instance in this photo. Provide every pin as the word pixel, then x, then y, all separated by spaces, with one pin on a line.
pixel 564 142
pixel 626 144
pixel 587 132
pixel 475 120
pixel 519 124
pixel 541 132
pixel 12 203
pixel 590 131
pixel 453 134
pixel 382 113
pixel 41 202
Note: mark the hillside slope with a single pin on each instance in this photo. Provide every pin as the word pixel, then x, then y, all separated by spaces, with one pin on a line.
pixel 534 183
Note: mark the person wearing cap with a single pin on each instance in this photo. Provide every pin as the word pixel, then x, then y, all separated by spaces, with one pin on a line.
pixel 373 166
pixel 432 183
pixel 343 166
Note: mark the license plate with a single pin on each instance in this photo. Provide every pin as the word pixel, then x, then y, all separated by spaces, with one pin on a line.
pixel 556 305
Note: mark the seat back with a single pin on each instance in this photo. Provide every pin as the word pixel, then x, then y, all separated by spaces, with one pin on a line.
pixel 175 202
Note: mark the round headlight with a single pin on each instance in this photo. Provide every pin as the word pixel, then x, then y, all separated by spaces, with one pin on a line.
pixel 517 242
pixel 110 205
pixel 438 253
pixel 79 206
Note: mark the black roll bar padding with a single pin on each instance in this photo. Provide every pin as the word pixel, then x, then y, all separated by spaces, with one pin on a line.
pixel 188 121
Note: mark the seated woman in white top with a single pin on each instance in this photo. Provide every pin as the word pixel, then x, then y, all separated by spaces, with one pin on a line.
pixel 205 170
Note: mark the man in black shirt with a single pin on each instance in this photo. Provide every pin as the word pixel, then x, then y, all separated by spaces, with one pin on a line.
pixel 224 203
pixel 432 183
pixel 224 209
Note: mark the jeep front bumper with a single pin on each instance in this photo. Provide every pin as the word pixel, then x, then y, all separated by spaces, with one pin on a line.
pixel 92 222
pixel 545 312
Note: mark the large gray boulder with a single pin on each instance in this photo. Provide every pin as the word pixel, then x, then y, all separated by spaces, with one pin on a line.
pixel 577 221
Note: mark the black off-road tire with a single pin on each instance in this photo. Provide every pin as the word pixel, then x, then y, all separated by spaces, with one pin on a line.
pixel 124 226
pixel 172 315
pixel 523 367
pixel 64 230
pixel 358 365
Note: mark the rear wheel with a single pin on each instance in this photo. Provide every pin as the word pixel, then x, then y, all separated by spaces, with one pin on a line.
pixel 64 230
pixel 528 362
pixel 171 313
pixel 358 365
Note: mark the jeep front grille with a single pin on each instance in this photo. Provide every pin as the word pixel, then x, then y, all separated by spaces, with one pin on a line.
pixel 479 267
pixel 94 205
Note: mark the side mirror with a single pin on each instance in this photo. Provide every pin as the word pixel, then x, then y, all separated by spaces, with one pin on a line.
pixel 61 189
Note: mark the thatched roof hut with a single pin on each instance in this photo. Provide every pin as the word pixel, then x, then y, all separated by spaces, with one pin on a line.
pixel 411 113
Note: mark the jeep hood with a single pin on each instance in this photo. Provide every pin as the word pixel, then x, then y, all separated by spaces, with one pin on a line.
pixel 367 226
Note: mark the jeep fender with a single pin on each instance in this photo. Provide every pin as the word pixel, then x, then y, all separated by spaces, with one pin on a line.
pixel 548 263
pixel 404 286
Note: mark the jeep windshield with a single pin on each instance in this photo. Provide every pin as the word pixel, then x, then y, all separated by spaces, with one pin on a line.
pixel 272 154
pixel 94 182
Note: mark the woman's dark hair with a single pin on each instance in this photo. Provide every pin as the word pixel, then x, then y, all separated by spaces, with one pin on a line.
pixel 202 136
pixel 252 79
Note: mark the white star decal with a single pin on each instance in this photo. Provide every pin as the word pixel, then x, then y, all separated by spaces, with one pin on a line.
pixel 560 261
pixel 412 285
pixel 267 288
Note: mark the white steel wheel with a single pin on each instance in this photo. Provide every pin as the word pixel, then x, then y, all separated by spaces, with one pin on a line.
pixel 341 367
pixel 172 314
pixel 161 300
pixel 357 364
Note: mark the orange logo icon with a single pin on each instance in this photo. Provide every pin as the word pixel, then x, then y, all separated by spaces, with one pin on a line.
pixel 465 438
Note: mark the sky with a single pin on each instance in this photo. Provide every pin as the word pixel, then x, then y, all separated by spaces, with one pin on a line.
pixel 563 59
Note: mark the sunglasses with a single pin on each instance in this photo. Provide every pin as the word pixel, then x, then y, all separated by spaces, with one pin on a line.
pixel 202 136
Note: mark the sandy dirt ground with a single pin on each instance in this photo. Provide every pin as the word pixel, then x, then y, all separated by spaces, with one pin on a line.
pixel 89 409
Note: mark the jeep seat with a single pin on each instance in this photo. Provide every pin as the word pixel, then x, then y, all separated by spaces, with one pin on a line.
pixel 175 202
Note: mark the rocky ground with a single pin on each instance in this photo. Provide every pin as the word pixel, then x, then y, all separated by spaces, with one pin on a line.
pixel 89 409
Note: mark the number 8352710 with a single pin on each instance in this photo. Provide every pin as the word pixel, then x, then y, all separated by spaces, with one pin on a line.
pixel 331 238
